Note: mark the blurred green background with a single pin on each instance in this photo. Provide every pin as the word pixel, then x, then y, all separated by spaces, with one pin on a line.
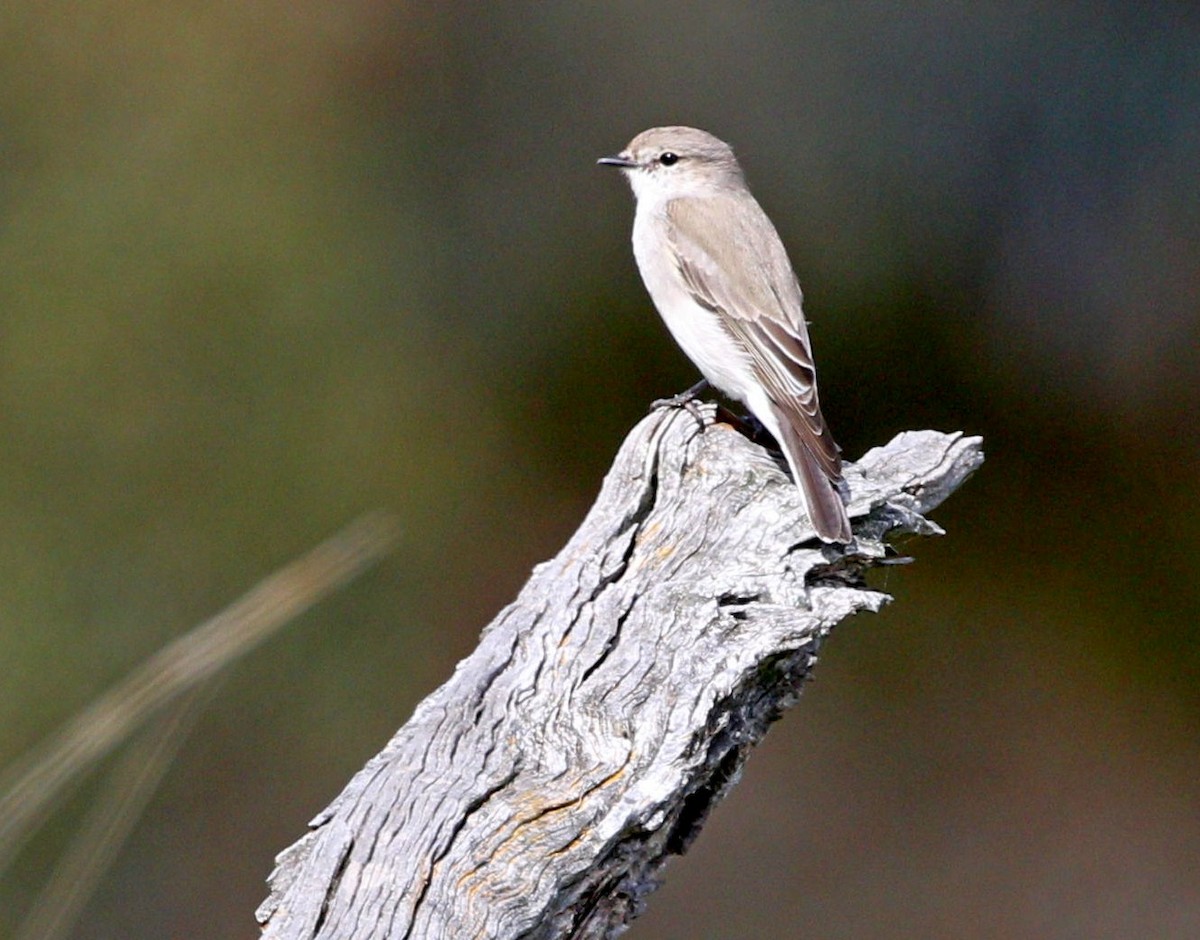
pixel 266 265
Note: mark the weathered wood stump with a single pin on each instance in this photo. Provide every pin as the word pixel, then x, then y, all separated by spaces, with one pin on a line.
pixel 537 793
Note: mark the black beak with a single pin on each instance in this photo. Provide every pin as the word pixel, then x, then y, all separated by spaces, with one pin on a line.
pixel 620 160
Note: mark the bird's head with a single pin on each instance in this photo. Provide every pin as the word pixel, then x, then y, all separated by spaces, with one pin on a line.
pixel 668 162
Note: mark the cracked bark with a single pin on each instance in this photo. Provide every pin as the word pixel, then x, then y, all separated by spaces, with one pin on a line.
pixel 537 793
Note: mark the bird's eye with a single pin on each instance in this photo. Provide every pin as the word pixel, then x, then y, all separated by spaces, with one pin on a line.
pixel 668 158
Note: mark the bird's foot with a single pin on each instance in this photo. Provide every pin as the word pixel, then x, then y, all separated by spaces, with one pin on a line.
pixel 683 399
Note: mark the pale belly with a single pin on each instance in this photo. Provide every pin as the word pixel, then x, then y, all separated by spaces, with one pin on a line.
pixel 699 333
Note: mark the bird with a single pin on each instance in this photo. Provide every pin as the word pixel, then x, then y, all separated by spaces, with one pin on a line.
pixel 719 275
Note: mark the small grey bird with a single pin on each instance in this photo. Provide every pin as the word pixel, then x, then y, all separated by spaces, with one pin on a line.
pixel 721 279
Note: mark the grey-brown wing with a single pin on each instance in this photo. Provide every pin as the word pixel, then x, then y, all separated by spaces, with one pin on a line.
pixel 734 264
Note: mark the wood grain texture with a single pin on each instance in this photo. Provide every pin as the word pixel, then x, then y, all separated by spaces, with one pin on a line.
pixel 537 793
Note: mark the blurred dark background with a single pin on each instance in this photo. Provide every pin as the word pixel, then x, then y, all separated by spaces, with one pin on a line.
pixel 267 265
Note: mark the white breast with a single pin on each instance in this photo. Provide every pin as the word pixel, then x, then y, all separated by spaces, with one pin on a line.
pixel 697 330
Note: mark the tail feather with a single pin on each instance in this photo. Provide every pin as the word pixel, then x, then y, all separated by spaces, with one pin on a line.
pixel 826 510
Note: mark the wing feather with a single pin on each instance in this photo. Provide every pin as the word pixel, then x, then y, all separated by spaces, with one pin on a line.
pixel 761 307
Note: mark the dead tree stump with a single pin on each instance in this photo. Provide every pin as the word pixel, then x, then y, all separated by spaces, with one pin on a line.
pixel 537 793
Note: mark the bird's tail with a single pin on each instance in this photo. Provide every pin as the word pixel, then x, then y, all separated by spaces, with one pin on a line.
pixel 825 507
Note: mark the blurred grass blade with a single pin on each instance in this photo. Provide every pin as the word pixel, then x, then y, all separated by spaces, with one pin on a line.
pixel 111 818
pixel 29 789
